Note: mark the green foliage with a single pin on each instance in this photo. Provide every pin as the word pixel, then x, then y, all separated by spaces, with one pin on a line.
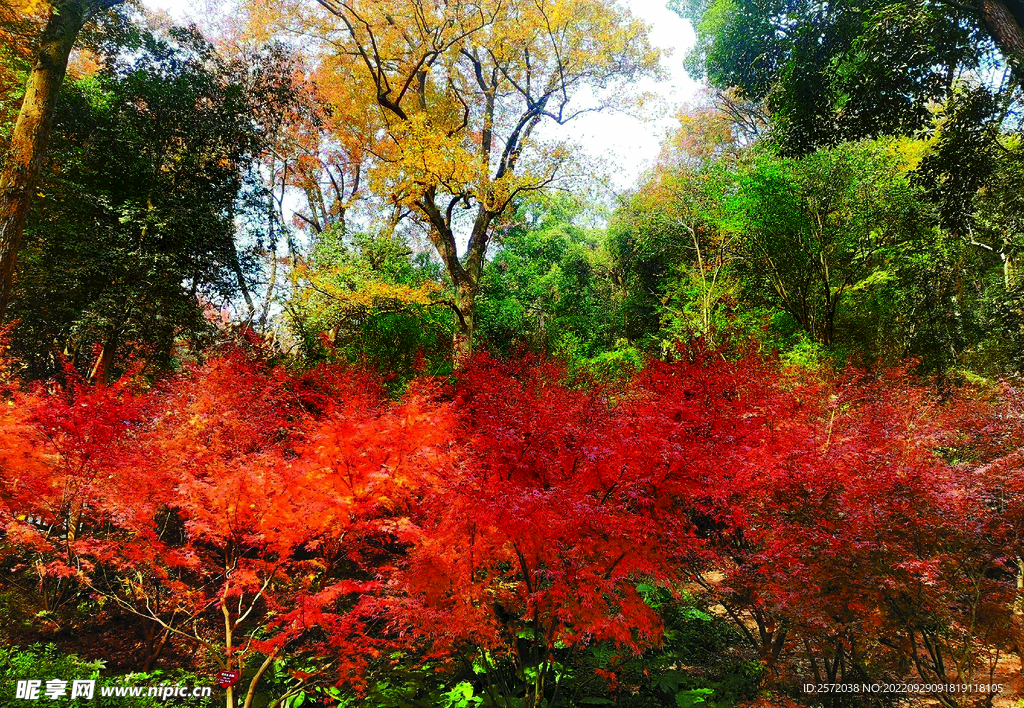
pixel 12 90
pixel 39 662
pixel 612 365
pixel 836 71
pixel 44 662
pixel 405 681
pixel 847 253
pixel 547 289
pixel 406 689
pixel 813 227
pixel 672 256
pixel 701 661
pixel 767 245
pixel 943 291
pixel 369 299
pixel 693 306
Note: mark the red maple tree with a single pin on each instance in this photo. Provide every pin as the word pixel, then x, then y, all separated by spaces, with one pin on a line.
pixel 858 524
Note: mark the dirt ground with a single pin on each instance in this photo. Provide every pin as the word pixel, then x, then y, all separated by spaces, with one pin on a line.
pixel 1008 673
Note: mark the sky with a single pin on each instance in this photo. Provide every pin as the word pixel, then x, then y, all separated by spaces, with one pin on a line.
pixel 619 146
pixel 628 145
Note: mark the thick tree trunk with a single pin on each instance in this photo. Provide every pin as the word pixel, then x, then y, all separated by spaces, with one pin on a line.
pixel 462 346
pixel 464 272
pixel 466 279
pixel 32 131
pixel 1004 20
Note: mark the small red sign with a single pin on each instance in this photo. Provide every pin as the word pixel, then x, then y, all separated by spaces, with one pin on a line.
pixel 227 678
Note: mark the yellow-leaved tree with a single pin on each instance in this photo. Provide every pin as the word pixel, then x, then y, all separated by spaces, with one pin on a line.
pixel 461 89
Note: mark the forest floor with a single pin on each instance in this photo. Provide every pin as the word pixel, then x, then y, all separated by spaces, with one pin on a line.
pixel 1008 673
pixel 1007 670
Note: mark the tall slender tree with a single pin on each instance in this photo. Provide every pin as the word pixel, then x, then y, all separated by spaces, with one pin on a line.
pixel 64 20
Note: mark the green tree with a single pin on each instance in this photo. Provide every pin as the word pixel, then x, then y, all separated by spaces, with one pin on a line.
pixel 372 300
pixel 973 174
pixel 836 71
pixel 55 34
pixel 929 300
pixel 547 287
pixel 138 209
pixel 814 227
pixel 677 258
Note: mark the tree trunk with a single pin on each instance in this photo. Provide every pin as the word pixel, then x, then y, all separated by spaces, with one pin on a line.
pixel 462 346
pixel 155 640
pixel 1017 627
pixel 271 283
pixel 32 131
pixel 230 693
pixel 101 371
pixel 1004 20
